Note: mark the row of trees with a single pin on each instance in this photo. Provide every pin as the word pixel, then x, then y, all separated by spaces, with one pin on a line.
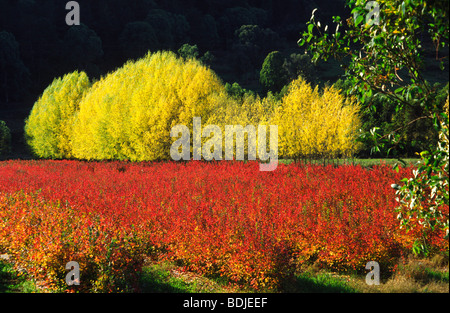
pixel 129 113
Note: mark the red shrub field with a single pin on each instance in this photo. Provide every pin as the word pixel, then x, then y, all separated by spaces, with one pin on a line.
pixel 220 219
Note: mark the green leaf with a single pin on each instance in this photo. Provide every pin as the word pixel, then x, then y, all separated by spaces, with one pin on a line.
pixel 359 19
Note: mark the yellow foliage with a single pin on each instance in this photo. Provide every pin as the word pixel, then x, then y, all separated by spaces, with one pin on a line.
pixel 316 125
pixel 129 113
pixel 49 127
pixel 248 111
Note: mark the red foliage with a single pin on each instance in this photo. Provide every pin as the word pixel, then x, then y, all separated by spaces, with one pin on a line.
pixel 223 218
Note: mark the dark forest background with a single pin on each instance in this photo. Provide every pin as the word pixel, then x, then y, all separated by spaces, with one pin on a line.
pixel 237 34
pixel 233 37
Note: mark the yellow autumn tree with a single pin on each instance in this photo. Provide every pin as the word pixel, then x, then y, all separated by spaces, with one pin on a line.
pixel 129 113
pixel 48 128
pixel 240 114
pixel 315 124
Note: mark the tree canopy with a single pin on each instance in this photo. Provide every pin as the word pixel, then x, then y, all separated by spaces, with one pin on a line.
pixel 385 44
